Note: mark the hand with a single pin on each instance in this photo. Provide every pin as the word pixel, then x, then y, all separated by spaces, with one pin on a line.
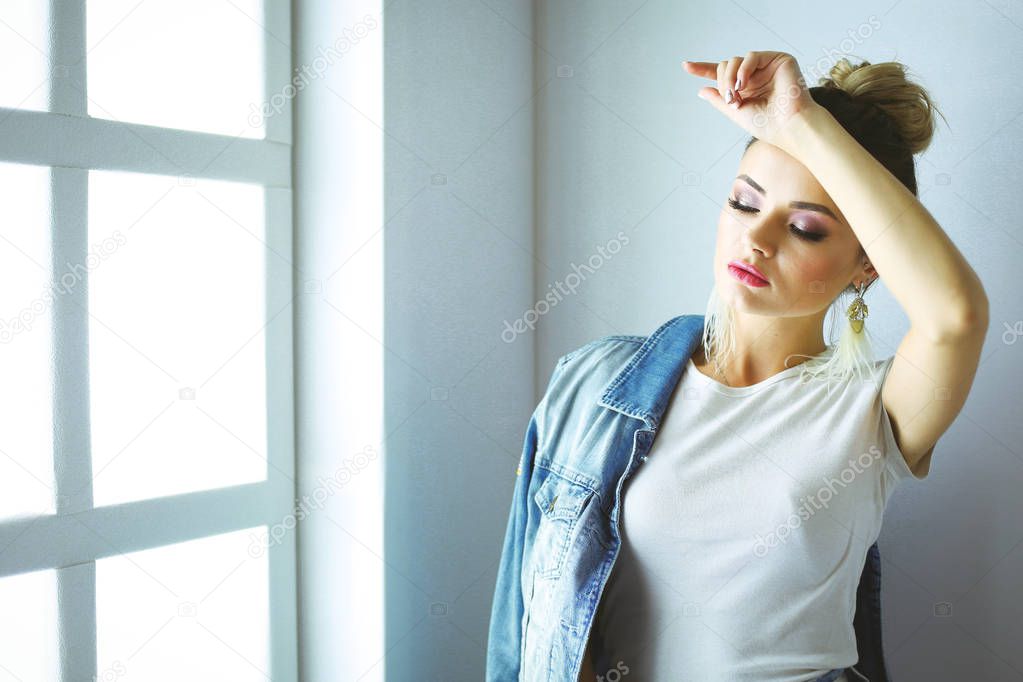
pixel 767 92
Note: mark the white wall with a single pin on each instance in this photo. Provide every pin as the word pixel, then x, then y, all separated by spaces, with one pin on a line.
pixel 414 205
pixel 459 181
pixel 494 173
pixel 340 357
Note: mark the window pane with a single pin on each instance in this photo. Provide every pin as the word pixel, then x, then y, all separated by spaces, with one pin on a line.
pixel 176 341
pixel 192 64
pixel 196 610
pixel 28 627
pixel 26 392
pixel 25 54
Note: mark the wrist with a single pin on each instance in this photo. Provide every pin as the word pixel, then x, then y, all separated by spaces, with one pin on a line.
pixel 802 129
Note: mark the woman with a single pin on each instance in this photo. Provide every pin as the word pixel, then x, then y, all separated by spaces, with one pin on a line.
pixel 744 547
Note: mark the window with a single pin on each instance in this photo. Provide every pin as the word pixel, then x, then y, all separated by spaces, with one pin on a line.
pixel 147 494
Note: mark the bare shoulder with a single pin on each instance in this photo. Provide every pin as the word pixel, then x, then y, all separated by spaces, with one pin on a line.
pixel 925 389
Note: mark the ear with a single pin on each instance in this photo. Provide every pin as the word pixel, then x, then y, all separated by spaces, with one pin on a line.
pixel 866 273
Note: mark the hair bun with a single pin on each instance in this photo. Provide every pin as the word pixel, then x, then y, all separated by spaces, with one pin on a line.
pixel 885 84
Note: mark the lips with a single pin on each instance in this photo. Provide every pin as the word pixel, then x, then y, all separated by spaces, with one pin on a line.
pixel 742 265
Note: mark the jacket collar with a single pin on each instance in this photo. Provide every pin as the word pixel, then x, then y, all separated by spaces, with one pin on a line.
pixel 643 388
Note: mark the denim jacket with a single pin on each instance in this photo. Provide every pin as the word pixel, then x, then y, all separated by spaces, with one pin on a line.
pixel 591 430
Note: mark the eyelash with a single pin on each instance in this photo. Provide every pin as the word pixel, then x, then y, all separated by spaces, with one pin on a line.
pixel 802 234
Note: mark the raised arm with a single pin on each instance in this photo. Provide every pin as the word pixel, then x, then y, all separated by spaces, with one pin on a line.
pixel 942 296
pixel 932 373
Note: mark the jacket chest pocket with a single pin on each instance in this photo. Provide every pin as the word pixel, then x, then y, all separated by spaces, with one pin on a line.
pixel 560 502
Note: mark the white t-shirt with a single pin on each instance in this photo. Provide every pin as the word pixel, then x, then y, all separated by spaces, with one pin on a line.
pixel 746 530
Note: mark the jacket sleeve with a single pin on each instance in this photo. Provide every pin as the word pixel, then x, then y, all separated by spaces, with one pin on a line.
pixel 504 640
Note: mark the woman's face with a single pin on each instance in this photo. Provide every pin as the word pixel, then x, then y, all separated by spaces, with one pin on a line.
pixel 793 233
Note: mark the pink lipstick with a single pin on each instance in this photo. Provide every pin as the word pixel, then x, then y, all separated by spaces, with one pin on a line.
pixel 746 273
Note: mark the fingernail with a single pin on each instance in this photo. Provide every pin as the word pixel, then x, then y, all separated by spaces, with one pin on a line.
pixel 738 84
pixel 728 98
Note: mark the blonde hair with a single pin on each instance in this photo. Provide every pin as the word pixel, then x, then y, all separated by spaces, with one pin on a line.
pixel 886 86
pixel 850 357
pixel 892 117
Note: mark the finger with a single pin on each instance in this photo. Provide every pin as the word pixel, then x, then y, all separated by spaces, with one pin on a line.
pixel 731 66
pixel 746 78
pixel 702 69
pixel 712 95
pixel 743 74
pixel 723 87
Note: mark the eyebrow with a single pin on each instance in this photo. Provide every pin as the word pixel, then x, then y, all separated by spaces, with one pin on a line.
pixel 794 204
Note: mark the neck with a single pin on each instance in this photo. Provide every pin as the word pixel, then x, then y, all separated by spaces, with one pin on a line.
pixel 762 346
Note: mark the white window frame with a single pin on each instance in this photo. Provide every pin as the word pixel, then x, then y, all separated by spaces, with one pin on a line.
pixel 72 143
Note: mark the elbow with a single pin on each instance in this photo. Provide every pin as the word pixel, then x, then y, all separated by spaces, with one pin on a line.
pixel 975 315
pixel 969 319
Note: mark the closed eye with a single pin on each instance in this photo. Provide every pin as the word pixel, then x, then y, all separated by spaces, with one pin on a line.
pixel 741 207
pixel 802 234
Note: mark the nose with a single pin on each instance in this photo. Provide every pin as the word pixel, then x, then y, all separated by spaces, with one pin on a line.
pixel 760 234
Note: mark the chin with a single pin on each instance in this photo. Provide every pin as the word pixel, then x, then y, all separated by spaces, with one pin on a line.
pixel 747 300
pixel 735 291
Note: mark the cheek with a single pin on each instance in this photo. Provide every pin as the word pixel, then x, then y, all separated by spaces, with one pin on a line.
pixel 723 235
pixel 812 264
pixel 730 225
pixel 820 267
pixel 729 231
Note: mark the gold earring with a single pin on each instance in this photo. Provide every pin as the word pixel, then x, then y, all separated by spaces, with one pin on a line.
pixel 857 311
